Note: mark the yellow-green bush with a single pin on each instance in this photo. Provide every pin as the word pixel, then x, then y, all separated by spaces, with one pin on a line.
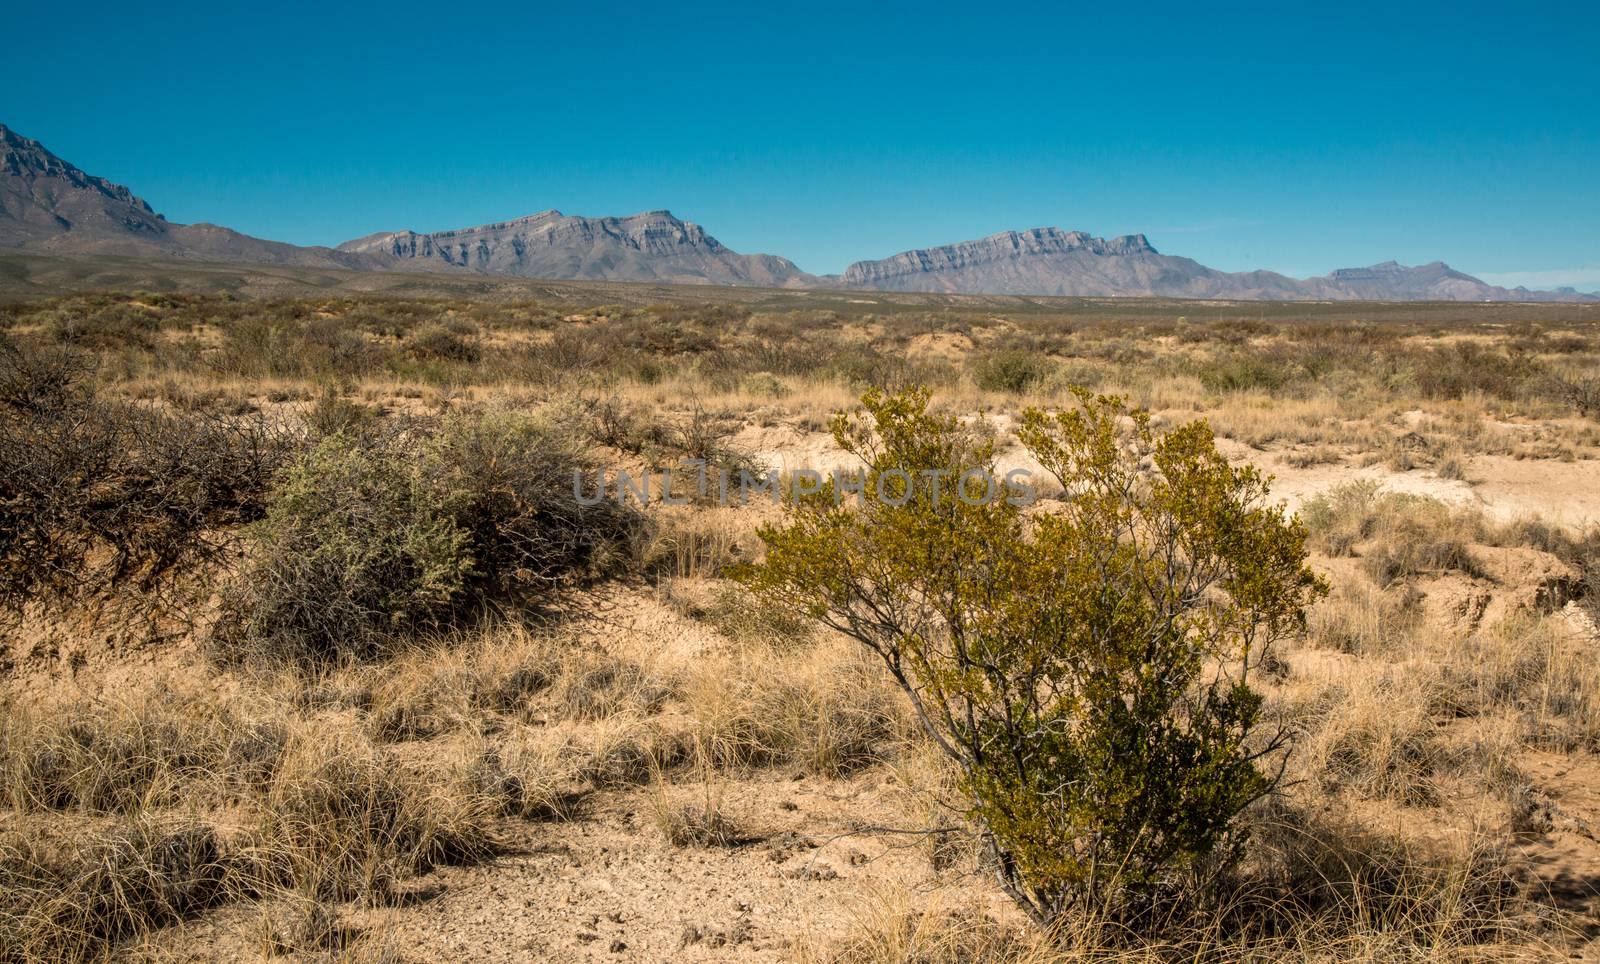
pixel 1085 667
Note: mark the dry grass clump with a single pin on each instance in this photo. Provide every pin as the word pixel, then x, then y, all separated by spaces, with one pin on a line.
pixel 433 689
pixel 1322 887
pixel 531 778
pixel 627 750
pixel 344 819
pixel 125 756
pixel 596 685
pixel 691 545
pixel 1398 534
pixel 750 620
pixel 1377 737
pixel 1536 669
pixel 694 818
pixel 827 710
pixel 314 806
pixel 897 925
pixel 1360 618
pixel 304 927
pixel 78 905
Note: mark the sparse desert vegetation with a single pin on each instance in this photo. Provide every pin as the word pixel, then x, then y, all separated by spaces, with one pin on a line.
pixel 312 652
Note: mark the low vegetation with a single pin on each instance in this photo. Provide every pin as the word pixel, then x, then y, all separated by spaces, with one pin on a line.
pixel 304 627
pixel 1087 673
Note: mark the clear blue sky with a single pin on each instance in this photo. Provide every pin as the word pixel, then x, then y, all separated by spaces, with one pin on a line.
pixel 1249 138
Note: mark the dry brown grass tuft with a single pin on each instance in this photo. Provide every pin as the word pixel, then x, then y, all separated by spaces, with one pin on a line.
pixel 1397 535
pixel 694 816
pixel 897 925
pixel 691 545
pixel 1538 670
pixel 594 685
pixel 454 683
pixel 1361 619
pixel 827 709
pixel 345 819
pixel 1377 737
pixel 127 755
pixel 535 778
pixel 107 888
pixel 625 750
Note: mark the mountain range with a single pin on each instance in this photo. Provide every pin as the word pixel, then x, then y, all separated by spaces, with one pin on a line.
pixel 652 246
pixel 49 206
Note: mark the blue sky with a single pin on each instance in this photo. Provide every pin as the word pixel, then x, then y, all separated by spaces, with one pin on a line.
pixel 1251 137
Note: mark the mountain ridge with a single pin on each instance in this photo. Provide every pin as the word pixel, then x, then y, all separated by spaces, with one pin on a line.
pixel 50 206
pixel 649 246
pixel 1049 261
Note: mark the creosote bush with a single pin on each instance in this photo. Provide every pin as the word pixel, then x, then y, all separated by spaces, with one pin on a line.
pixel 1086 667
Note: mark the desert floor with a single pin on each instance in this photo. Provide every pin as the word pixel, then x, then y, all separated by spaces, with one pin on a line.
pixel 653 764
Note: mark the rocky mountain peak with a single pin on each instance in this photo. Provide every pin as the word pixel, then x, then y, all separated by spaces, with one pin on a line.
pixel 30 162
pixel 1005 247
pixel 648 246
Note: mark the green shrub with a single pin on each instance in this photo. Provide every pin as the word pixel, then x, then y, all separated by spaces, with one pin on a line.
pixel 1011 370
pixel 1245 373
pixel 382 535
pixel 1086 667
pixel 352 550
pixel 441 342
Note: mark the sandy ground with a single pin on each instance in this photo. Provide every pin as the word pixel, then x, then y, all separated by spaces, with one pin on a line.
pixel 1505 488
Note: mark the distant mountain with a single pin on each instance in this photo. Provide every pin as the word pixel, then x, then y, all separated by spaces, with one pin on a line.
pixel 1435 281
pixel 47 205
pixel 652 246
pixel 1049 261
